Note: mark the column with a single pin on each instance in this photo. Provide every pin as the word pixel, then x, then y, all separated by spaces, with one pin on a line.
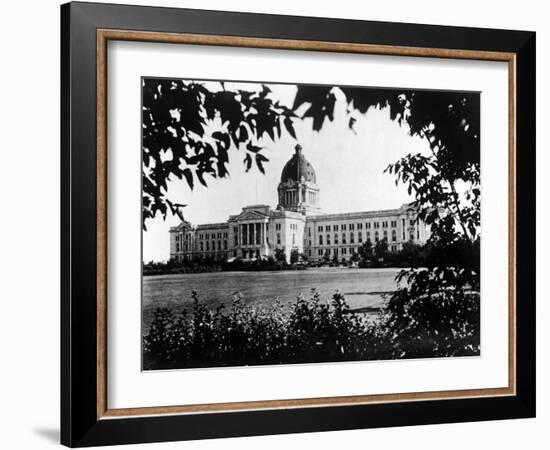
pixel 254 234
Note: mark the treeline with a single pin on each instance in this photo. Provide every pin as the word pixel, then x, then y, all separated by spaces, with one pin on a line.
pixel 379 255
pixel 199 265
pixel 314 330
pixel 458 253
pixel 174 266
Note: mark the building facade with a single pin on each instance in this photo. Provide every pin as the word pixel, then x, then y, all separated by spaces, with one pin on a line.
pixel 297 223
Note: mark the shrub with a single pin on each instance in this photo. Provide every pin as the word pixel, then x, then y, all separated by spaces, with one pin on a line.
pixel 435 325
pixel 313 330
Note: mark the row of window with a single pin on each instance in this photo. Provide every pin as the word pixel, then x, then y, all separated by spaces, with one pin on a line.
pixel 292 226
pixel 184 247
pixel 336 251
pixel 206 236
pixel 342 251
pixel 205 246
pixel 359 237
pixel 368 237
pixel 351 226
pixel 215 256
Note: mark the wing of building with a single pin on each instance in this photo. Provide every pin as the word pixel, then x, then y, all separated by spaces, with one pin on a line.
pixel 296 224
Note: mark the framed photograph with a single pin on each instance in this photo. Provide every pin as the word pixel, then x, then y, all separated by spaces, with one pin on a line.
pixel 276 224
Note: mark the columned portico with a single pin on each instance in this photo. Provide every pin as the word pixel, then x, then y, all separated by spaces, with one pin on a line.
pixel 252 240
pixel 251 228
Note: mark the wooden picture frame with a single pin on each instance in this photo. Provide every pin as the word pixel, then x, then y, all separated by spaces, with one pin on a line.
pixel 86 418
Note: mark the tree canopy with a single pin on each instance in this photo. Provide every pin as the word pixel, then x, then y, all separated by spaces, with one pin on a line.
pixel 188 130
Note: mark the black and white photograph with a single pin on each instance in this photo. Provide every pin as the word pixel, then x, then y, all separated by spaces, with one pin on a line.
pixel 293 223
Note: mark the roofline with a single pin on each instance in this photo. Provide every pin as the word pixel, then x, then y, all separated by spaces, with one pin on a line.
pixel 381 212
pixel 212 225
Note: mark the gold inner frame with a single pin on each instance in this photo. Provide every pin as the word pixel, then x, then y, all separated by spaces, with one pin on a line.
pixel 104 35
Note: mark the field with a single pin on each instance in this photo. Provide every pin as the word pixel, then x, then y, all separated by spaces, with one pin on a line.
pixel 363 288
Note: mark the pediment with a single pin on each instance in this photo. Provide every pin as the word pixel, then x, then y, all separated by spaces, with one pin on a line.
pixel 183 226
pixel 250 215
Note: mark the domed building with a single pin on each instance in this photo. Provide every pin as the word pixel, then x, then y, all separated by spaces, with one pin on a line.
pixel 298 189
pixel 296 224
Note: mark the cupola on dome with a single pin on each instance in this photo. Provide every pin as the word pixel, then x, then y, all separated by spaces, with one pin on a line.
pixel 298 167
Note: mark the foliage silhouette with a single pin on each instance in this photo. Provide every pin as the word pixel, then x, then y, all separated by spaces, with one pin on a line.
pixel 188 130
pixel 309 330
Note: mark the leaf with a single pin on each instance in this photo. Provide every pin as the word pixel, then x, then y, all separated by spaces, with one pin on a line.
pixel 189 177
pixel 222 137
pixel 259 163
pixel 200 176
pixel 243 134
pixel 289 126
pixel 253 148
pixel 248 161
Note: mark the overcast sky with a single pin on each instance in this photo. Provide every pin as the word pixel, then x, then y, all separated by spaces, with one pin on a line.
pixel 349 168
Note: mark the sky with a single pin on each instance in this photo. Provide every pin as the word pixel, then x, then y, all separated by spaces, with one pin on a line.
pixel 349 166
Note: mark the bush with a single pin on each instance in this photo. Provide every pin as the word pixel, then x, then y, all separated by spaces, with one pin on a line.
pixel 436 325
pixel 313 330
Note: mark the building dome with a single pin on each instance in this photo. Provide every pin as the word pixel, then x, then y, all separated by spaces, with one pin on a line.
pixel 297 167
